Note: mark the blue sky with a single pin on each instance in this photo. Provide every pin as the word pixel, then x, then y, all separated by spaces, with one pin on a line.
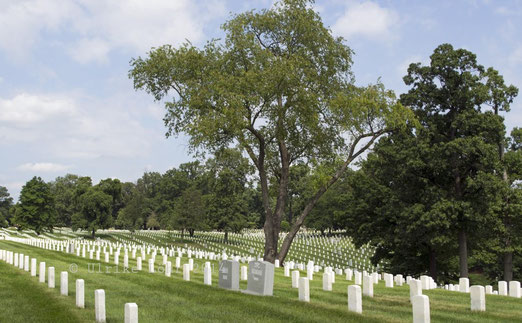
pixel 67 106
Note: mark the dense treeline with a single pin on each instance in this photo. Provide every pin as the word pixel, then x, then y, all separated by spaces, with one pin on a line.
pixel 217 195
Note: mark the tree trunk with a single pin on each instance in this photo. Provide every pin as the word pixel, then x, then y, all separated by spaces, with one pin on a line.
pixel 226 236
pixel 287 242
pixel 463 253
pixel 433 264
pixel 93 231
pixel 191 232
pixel 273 220
pixel 182 234
pixel 508 266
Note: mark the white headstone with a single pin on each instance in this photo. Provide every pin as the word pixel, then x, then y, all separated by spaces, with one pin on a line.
pixel 168 268
pixel 244 272
pixel 64 283
pixel 327 282
pixel 151 265
pixel 50 278
pixel 131 313
pixel 33 267
pixel 368 286
pixel 421 309
pixel 464 285
pixel 26 263
pixel 80 293
pixel 349 274
pixel 425 282
pixel 207 274
pixel 358 278
pixel 354 299
pixel 310 272
pixel 502 288
pixel 489 289
pixel 304 289
pixel 138 263
pixel 99 305
pixel 186 272
pixel 514 288
pixel 388 278
pixel 295 279
pixel 41 273
pixel 415 288
pixel 478 298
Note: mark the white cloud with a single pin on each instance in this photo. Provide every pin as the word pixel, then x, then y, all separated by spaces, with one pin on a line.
pixel 43 167
pixel 366 19
pixel 90 49
pixel 77 126
pixel 22 21
pixel 103 26
pixel 28 108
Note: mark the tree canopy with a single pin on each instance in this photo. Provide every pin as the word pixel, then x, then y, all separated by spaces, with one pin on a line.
pixel 280 87
pixel 35 209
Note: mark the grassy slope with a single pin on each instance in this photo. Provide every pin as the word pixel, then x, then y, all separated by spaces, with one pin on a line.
pixel 163 299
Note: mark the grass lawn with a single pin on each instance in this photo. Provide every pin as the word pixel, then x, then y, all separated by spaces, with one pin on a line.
pixel 164 299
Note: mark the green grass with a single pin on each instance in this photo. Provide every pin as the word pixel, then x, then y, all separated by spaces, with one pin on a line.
pixel 164 299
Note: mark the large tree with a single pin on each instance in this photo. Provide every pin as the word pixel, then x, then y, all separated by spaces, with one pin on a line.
pixel 35 209
pixel 451 97
pixel 63 190
pixel 95 211
pixel 189 213
pixel 280 85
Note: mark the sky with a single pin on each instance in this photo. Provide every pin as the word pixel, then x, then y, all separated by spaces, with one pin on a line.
pixel 68 106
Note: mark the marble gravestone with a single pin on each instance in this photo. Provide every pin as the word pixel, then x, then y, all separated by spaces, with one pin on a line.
pixel 260 278
pixel 229 274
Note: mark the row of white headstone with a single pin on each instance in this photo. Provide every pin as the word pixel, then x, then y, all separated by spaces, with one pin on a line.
pixel 21 261
pixel 514 289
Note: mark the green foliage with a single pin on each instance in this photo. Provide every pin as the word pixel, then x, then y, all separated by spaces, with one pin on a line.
pixel 152 222
pixel 285 226
pixel 190 211
pixel 6 203
pixel 63 190
pixel 94 212
pixel 113 188
pixel 280 85
pixel 227 206
pixel 35 209
pixel 423 187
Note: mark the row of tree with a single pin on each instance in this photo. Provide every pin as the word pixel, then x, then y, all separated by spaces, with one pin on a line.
pixel 216 195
